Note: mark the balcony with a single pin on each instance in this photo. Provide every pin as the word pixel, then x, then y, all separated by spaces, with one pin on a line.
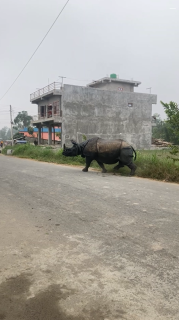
pixel 52 89
pixel 51 116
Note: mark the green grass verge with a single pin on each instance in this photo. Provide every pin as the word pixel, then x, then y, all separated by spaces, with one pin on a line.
pixel 153 164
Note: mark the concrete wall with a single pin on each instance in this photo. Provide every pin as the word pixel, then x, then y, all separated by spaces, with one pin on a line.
pixel 95 112
pixel 113 86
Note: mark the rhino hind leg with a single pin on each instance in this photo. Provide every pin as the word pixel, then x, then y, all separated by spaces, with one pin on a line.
pixel 120 165
pixel 88 162
pixel 102 167
pixel 133 168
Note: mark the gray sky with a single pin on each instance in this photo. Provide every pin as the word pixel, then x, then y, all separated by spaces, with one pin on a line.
pixel 91 39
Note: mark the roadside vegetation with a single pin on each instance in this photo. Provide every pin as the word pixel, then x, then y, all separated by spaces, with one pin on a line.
pixel 154 164
pixel 168 129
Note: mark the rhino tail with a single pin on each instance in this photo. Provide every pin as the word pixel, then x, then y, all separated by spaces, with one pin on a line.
pixel 134 153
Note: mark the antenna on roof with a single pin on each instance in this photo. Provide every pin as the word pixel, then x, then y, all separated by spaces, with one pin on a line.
pixel 149 89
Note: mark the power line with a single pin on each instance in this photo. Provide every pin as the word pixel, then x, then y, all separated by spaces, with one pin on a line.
pixel 3 107
pixel 35 50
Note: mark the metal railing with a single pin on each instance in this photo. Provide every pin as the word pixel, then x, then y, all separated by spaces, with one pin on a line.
pixel 55 86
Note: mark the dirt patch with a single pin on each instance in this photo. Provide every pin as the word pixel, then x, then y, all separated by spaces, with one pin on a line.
pixel 15 304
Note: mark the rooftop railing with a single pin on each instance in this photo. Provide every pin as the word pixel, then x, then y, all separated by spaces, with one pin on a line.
pixel 53 87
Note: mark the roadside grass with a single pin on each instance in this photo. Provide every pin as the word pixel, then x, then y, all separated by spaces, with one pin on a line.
pixel 154 164
pixel 46 154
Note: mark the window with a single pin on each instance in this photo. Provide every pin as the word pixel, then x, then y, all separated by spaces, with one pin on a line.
pixel 42 111
pixel 49 111
pixel 56 105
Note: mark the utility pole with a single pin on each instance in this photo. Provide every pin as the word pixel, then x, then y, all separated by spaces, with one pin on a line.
pixel 62 80
pixel 11 124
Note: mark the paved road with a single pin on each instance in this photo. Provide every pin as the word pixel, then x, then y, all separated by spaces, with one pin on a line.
pixel 77 245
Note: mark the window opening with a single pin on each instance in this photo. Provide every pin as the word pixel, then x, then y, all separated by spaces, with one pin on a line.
pixel 49 111
pixel 42 111
pixel 56 107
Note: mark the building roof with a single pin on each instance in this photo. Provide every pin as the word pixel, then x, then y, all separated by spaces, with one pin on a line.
pixel 108 79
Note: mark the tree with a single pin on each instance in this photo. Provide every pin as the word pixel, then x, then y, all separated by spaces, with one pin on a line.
pixel 160 130
pixel 172 112
pixel 18 135
pixel 58 134
pixel 22 120
pixel 30 130
pixel 5 133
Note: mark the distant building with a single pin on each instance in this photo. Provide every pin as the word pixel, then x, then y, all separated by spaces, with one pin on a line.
pixel 44 134
pixel 108 108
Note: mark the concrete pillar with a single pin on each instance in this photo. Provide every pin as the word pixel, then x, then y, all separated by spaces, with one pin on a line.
pixel 62 139
pixel 49 134
pixel 53 135
pixel 39 134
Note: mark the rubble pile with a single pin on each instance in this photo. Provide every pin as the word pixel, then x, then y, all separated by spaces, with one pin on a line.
pixel 160 143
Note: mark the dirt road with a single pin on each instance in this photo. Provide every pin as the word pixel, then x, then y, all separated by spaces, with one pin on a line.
pixel 79 246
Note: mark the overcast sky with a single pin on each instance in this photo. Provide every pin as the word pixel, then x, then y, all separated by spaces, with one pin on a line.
pixel 136 39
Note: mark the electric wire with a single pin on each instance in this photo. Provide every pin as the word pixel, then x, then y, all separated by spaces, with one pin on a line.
pixel 35 50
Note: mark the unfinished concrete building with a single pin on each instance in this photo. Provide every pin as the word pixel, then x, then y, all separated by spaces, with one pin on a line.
pixel 108 108
pixel 49 113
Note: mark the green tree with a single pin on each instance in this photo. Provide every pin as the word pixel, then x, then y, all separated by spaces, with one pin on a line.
pixel 172 112
pixel 5 133
pixel 30 130
pixel 161 129
pixel 18 135
pixel 58 134
pixel 22 120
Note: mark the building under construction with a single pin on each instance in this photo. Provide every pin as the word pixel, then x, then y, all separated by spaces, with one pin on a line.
pixel 108 107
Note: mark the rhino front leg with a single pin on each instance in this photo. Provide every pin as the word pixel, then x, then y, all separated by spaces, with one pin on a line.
pixel 102 167
pixel 88 162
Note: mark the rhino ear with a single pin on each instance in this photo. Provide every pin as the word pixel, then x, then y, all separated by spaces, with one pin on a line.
pixel 74 142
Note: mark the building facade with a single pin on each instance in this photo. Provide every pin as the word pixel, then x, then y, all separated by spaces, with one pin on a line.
pixel 108 108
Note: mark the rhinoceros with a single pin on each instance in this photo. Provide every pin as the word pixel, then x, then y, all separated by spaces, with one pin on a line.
pixel 103 151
